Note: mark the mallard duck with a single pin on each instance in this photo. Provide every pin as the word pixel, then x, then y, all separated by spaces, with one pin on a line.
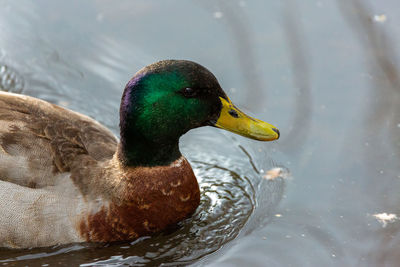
pixel 65 178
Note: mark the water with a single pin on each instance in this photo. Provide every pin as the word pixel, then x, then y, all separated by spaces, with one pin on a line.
pixel 325 72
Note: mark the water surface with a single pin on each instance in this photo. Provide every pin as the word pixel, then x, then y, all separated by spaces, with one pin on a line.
pixel 325 72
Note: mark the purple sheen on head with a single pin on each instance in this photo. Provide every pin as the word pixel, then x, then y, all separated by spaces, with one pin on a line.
pixel 127 97
pixel 135 79
pixel 126 101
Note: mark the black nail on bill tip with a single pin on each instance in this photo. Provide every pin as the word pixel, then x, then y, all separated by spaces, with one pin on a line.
pixel 277 131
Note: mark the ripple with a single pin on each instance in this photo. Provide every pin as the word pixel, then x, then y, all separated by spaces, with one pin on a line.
pixel 10 80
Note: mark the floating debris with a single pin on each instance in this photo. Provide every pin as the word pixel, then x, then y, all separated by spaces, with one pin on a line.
pixel 380 18
pixel 276 172
pixel 218 15
pixel 385 218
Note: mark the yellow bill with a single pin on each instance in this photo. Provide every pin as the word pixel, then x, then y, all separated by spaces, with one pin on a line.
pixel 234 120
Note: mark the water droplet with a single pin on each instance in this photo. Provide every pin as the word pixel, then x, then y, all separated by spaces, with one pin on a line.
pixel 100 17
pixel 63 103
pixel 10 80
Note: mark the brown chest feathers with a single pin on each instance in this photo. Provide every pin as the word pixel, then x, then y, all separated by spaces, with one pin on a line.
pixel 146 200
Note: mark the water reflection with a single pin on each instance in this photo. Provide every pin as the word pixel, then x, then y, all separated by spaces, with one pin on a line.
pixel 382 149
pixel 237 22
pixel 297 134
pixel 329 73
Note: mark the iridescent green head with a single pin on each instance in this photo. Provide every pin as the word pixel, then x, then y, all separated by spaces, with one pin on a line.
pixel 165 100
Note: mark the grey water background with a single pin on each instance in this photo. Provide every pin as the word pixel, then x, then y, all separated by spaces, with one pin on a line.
pixel 325 72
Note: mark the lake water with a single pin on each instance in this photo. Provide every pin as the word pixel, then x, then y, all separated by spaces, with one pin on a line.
pixel 325 72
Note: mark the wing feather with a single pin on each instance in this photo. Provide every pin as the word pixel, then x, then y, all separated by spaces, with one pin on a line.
pixel 39 139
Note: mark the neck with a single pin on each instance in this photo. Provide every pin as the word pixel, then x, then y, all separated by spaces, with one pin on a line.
pixel 137 151
pixel 143 141
pixel 140 147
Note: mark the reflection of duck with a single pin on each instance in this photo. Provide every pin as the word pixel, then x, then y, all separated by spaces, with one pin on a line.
pixel 65 178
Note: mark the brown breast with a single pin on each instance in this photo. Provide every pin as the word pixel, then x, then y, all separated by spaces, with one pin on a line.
pixel 148 200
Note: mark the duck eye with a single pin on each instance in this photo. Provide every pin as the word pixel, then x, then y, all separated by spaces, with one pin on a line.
pixel 189 92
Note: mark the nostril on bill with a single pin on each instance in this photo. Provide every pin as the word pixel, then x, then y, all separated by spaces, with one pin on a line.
pixel 233 113
pixel 277 131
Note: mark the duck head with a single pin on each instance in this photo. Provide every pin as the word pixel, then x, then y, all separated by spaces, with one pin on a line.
pixel 165 100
